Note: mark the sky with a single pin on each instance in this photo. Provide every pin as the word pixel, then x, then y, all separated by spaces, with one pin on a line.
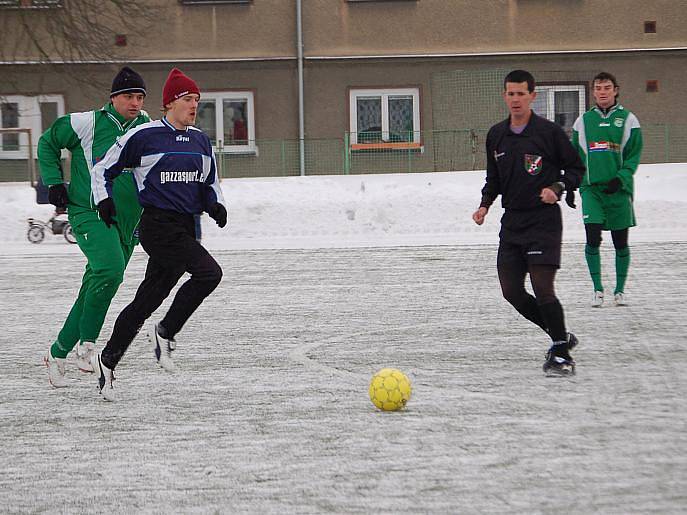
pixel 369 211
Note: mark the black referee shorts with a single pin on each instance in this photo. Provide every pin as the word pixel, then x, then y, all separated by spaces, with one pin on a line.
pixel 531 236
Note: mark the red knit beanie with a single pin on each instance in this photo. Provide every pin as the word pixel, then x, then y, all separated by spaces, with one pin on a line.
pixel 177 86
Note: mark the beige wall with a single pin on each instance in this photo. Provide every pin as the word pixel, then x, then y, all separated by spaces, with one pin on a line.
pixel 273 84
pixel 327 82
pixel 337 27
pixel 164 30
pixel 267 28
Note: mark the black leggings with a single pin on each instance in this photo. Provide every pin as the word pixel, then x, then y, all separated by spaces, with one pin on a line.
pixel 593 232
pixel 543 309
pixel 170 240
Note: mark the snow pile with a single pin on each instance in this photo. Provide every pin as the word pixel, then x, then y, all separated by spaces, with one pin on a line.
pixel 369 210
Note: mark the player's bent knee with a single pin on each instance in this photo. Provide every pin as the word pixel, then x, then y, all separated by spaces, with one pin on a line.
pixel 216 275
pixel 113 275
pixel 548 298
pixel 515 297
pixel 211 274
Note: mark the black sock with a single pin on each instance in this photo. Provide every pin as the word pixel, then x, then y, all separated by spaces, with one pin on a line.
pixel 561 350
pixel 552 313
pixel 528 308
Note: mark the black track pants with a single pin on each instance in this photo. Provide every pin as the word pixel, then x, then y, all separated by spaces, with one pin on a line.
pixel 169 239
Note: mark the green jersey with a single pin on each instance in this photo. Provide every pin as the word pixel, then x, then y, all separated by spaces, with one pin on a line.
pixel 610 144
pixel 88 136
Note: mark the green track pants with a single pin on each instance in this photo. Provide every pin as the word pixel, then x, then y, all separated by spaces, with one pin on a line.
pixel 107 259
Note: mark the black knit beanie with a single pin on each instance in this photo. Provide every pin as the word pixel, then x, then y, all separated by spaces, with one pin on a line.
pixel 127 81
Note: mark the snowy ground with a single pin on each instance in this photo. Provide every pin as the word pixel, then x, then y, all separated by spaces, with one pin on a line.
pixel 269 412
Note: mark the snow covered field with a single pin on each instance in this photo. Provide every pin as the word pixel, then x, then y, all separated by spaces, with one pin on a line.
pixel 326 280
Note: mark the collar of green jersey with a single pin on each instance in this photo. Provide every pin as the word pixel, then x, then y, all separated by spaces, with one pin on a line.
pixel 122 123
pixel 605 113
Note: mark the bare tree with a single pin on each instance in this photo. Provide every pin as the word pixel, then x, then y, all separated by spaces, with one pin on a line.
pixel 57 34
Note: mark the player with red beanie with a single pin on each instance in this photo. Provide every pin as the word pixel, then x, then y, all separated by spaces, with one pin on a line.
pixel 174 167
pixel 177 86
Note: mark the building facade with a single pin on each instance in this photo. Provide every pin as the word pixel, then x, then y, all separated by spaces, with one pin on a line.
pixel 387 85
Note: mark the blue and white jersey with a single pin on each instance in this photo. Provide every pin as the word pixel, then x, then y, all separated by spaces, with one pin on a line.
pixel 173 169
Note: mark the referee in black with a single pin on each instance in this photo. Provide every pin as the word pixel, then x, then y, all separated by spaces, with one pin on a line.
pixel 530 163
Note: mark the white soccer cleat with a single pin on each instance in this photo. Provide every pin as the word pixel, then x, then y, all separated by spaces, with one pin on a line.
pixel 84 356
pixel 163 348
pixel 56 370
pixel 598 299
pixel 620 299
pixel 105 378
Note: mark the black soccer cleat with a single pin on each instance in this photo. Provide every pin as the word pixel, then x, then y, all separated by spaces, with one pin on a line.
pixel 163 346
pixel 558 365
pixel 559 362
pixel 105 377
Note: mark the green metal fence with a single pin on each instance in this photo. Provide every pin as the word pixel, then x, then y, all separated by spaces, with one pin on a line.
pixel 439 151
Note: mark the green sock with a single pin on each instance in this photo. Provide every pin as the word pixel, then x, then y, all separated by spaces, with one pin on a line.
pixel 594 264
pixel 622 264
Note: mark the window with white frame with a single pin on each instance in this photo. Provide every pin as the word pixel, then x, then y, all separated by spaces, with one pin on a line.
pixel 201 2
pixel 381 116
pixel 26 112
pixel 30 4
pixel 228 118
pixel 561 103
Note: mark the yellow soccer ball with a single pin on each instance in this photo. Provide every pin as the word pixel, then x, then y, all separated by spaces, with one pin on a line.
pixel 390 389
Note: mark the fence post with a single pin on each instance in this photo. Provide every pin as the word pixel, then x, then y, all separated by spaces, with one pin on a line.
pixel 410 160
pixel 32 163
pixel 283 158
pixel 219 159
pixel 347 154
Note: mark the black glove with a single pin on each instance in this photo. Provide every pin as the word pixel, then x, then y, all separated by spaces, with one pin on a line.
pixel 557 188
pixel 57 196
pixel 107 211
pixel 613 185
pixel 570 198
pixel 218 214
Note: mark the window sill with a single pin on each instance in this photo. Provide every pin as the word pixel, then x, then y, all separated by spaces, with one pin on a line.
pixel 11 154
pixel 238 151
pixel 388 146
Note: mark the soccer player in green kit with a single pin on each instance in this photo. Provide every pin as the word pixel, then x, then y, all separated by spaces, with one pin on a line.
pixel 107 247
pixel 609 140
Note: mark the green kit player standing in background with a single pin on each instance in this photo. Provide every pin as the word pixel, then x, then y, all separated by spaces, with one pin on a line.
pixel 107 248
pixel 609 140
